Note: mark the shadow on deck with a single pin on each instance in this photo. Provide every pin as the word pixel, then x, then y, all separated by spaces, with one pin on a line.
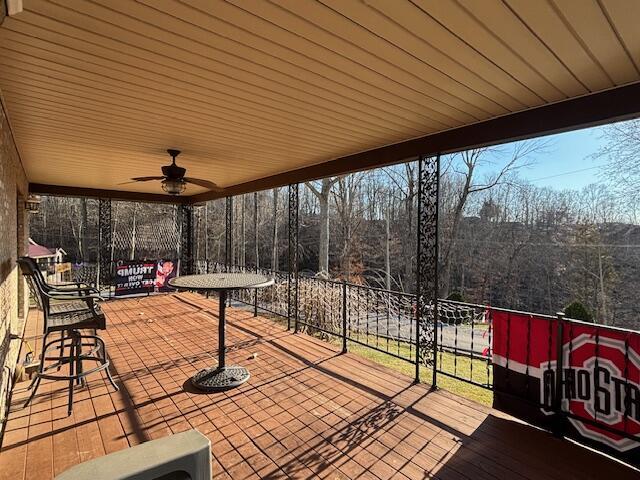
pixel 306 412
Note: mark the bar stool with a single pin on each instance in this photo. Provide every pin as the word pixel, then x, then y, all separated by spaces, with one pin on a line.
pixel 78 312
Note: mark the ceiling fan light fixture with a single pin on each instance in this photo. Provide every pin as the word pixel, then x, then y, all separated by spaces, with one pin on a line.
pixel 173 186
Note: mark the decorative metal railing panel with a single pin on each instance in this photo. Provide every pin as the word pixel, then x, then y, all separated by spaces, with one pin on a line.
pixel 383 320
pixel 319 306
pixel 464 342
pixel 293 259
pixel 186 245
pixel 105 240
pixel 427 278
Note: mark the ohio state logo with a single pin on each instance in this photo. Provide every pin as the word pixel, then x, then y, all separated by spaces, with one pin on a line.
pixel 600 391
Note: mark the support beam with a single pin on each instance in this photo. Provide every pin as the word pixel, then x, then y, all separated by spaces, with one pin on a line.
pixel 185 216
pixel 228 234
pixel 292 285
pixel 427 268
pixel 105 242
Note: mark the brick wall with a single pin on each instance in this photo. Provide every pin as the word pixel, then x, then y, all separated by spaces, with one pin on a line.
pixel 13 241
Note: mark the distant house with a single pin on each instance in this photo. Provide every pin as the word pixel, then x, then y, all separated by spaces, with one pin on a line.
pixel 50 260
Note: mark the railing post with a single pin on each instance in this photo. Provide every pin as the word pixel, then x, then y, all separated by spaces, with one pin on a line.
pixel 557 400
pixel 427 268
pixel 228 234
pixel 344 316
pixel 292 287
pixel 185 213
pixel 105 240
pixel 255 303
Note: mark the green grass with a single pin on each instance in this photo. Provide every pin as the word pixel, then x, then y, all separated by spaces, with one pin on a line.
pixel 447 362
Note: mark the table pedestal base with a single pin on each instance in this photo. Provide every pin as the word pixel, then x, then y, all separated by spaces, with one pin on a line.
pixel 215 379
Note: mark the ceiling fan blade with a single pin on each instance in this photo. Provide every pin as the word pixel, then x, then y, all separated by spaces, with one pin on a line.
pixel 142 179
pixel 203 183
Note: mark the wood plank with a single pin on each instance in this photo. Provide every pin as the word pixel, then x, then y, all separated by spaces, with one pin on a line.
pixel 306 412
pixel 622 14
pixel 592 28
pixel 544 21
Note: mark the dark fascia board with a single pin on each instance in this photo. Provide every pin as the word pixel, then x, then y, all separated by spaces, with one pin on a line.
pixel 620 103
pixel 60 190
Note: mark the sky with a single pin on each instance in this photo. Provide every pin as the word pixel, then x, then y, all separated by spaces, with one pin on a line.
pixel 567 161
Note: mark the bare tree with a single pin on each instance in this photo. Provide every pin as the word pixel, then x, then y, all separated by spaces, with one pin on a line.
pixel 464 166
pixel 622 152
pixel 350 211
pixel 322 193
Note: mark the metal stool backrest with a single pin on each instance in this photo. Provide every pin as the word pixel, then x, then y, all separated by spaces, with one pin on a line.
pixel 30 272
pixel 37 274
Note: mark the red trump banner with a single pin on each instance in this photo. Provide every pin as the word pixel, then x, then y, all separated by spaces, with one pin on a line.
pixel 591 395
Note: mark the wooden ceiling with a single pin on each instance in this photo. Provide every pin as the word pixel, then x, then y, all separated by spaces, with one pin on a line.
pixel 96 91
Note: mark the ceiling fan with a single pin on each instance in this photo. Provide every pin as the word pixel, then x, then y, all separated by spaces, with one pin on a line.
pixel 173 180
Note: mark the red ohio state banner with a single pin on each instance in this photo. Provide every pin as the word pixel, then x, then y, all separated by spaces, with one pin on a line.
pixel 599 387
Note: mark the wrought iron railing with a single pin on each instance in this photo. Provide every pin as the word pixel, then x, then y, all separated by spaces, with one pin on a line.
pixel 378 319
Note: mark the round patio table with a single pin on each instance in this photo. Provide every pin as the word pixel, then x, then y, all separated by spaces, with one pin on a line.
pixel 220 377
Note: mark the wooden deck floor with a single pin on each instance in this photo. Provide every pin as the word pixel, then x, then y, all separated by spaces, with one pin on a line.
pixel 306 412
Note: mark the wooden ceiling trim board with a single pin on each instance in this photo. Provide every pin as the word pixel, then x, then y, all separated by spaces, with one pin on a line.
pixel 225 160
pixel 266 157
pixel 88 40
pixel 301 34
pixel 22 78
pixel 70 157
pixel 501 20
pixel 41 67
pixel 546 23
pixel 34 128
pixel 616 104
pixel 352 78
pixel 348 38
pixel 132 117
pixel 569 27
pixel 327 133
pixel 283 43
pixel 89 154
pixel 241 70
pixel 550 50
pixel 444 103
pixel 219 134
pixel 401 33
pixel 205 94
pixel 78 118
pixel 100 193
pixel 68 118
pixel 623 15
pixel 592 27
pixel 124 166
pixel 522 56
pixel 458 21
